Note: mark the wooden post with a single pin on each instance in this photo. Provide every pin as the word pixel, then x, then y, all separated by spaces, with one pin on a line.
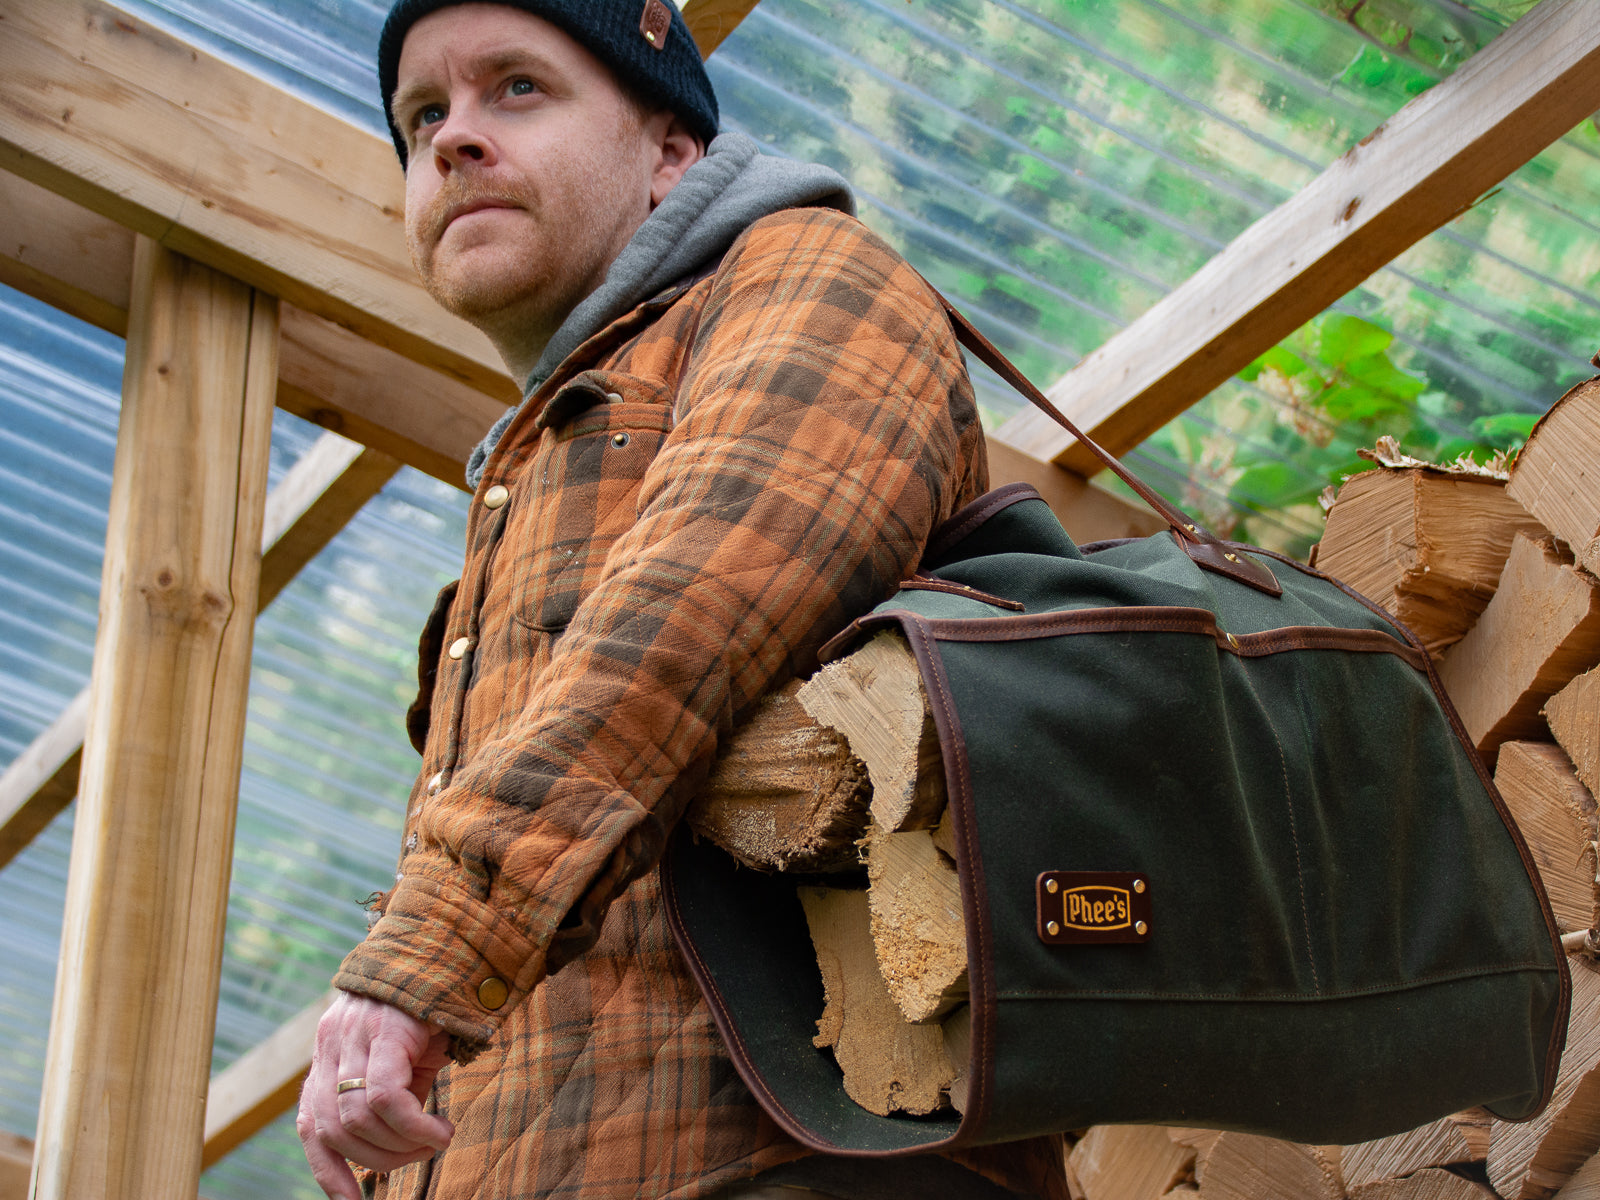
pixel 123 1107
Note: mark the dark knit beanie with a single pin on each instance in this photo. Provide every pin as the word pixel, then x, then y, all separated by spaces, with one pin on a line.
pixel 645 44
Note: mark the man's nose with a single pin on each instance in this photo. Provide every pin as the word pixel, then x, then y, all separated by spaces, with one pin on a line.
pixel 461 139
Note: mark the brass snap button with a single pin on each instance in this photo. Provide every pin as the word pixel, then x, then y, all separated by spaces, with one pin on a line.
pixel 619 440
pixel 493 993
pixel 459 647
pixel 496 496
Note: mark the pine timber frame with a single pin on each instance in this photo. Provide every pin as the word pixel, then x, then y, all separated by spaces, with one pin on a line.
pixel 234 174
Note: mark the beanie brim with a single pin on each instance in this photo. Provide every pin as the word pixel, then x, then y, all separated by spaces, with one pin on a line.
pixel 669 74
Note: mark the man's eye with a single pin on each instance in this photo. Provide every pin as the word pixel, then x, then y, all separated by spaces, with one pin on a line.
pixel 521 87
pixel 429 114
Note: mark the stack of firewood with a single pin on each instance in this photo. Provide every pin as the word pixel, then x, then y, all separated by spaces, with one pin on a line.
pixel 1493 568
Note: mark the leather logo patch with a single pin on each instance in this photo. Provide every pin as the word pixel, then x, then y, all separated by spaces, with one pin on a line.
pixel 655 23
pixel 1093 907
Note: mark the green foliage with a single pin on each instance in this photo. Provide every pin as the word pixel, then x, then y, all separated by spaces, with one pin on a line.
pixel 1329 389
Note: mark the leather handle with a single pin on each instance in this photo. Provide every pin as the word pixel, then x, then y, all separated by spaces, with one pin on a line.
pixel 1206 549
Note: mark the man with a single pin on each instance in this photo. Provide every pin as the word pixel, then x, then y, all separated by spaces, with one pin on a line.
pixel 744 415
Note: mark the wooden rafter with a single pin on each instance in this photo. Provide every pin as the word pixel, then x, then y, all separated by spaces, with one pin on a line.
pixel 1411 175
pixel 710 21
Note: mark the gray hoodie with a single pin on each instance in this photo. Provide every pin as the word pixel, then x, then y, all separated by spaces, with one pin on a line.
pixel 717 199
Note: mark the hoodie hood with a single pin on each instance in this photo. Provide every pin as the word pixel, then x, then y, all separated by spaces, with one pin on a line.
pixel 717 199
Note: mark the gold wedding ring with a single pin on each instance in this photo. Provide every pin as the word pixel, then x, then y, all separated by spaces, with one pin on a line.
pixel 351 1085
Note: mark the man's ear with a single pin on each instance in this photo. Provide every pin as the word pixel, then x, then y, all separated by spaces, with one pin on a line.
pixel 676 150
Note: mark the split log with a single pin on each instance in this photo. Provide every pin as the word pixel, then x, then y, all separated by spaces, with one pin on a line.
pixel 1461 1137
pixel 875 697
pixel 1425 543
pixel 957 1029
pixel 1585 1185
pixel 1244 1166
pixel 1532 1159
pixel 1540 631
pixel 889 1065
pixel 785 794
pixel 1429 1184
pixel 1554 477
pixel 1130 1162
pixel 1574 717
pixel 918 932
pixel 1556 814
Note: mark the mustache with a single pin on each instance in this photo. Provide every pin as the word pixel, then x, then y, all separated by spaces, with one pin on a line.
pixel 457 194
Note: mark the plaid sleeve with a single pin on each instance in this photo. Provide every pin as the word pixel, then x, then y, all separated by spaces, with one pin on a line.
pixel 823 427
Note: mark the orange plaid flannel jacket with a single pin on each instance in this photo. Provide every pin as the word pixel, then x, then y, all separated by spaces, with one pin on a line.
pixel 703 493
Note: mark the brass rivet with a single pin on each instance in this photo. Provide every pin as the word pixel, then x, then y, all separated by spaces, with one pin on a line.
pixel 1231 557
pixel 1141 928
pixel 493 993
pixel 1191 528
pixel 619 440
pixel 496 496
pixel 1051 886
pixel 1052 929
pixel 1232 641
pixel 1138 885
pixel 649 37
pixel 459 647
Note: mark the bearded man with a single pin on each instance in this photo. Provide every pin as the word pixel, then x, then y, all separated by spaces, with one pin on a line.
pixel 743 416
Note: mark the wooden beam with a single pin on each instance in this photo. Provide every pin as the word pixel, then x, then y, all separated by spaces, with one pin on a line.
pixel 710 21
pixel 1408 177
pixel 261 1085
pixel 43 779
pixel 16 1160
pixel 79 261
pixel 65 255
pixel 314 500
pixel 122 1109
pixel 350 386
pixel 1089 513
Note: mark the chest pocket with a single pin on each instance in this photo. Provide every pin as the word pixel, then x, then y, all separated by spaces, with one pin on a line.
pixel 586 476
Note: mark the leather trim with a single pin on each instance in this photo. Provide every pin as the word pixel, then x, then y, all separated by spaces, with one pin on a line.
pixel 969 871
pixel 928 583
pixel 1158 619
pixel 965 519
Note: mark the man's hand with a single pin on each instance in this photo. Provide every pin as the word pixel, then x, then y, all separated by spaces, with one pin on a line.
pixel 381 1125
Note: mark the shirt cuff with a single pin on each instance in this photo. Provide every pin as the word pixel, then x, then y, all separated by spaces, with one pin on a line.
pixel 443 956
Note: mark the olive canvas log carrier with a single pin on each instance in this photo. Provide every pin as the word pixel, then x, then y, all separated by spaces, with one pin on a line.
pixel 1226 856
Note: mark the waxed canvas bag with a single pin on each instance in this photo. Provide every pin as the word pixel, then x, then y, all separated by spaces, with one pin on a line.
pixel 1227 858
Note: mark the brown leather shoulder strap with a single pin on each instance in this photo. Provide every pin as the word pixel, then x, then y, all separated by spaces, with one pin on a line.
pixel 1205 548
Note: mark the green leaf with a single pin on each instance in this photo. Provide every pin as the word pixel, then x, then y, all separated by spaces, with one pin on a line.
pixel 1272 485
pixel 1356 403
pixel 1341 338
pixel 1379 374
pixel 1502 429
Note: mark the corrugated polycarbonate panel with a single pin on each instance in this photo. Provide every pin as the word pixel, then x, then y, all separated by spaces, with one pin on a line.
pixel 1056 166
